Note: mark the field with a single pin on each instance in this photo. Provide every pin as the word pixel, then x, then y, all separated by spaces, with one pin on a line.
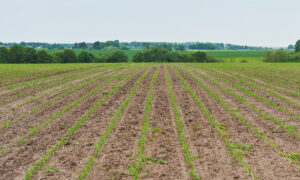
pixel 150 121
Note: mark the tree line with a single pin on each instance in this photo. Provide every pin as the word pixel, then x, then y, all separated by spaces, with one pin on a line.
pixel 116 44
pixel 283 56
pixel 162 54
pixel 19 54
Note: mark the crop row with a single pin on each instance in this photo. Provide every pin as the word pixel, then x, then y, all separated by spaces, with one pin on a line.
pixel 35 98
pixel 49 75
pixel 291 156
pixel 56 98
pixel 180 128
pixel 238 155
pixel 63 140
pixel 276 88
pixel 135 168
pixel 256 96
pixel 43 85
pixel 254 86
pixel 271 78
pixel 33 130
pixel 265 115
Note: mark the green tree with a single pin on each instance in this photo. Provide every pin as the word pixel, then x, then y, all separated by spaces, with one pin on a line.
pixel 180 48
pixel 3 55
pixel 101 58
pixel 30 55
pixel 16 54
pixel 43 57
pixel 146 45
pixel 58 57
pixel 199 56
pixel 280 56
pixel 117 56
pixel 69 56
pixel 297 46
pixel 84 57
pixel 138 57
pixel 156 54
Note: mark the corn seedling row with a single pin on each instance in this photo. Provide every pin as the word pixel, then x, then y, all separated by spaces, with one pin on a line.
pixel 289 129
pixel 135 168
pixel 291 156
pixel 180 127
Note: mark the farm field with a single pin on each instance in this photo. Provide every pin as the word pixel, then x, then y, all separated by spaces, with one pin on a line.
pixel 150 121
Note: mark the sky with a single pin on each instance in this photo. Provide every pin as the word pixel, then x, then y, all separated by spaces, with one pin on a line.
pixel 273 23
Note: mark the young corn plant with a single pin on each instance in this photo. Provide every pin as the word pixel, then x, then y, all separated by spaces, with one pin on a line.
pixel 220 129
pixel 135 168
pixel 180 128
pixel 235 114
pixel 63 140
pixel 58 113
pixel 289 129
pixel 102 139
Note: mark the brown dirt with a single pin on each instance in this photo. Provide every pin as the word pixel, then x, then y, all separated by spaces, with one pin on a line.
pixel 162 141
pixel 213 161
pixel 72 157
pixel 261 155
pixel 15 96
pixel 14 111
pixel 20 127
pixel 16 162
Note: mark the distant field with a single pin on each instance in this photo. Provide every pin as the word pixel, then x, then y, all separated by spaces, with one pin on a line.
pixel 150 121
pixel 222 54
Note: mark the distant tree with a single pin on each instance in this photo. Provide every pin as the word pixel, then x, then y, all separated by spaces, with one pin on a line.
pixel 138 57
pixel 124 48
pixel 84 57
pixel 30 55
pixel 16 54
pixel 117 56
pixel 180 48
pixel 116 43
pixel 61 47
pixel 101 58
pixel 280 56
pixel 291 46
pixel 97 45
pixel 146 45
pixel 58 57
pixel 81 45
pixel 199 56
pixel 109 43
pixel 168 46
pixel 156 54
pixel 43 57
pixel 297 46
pixel 69 56
pixel 23 44
pixel 3 55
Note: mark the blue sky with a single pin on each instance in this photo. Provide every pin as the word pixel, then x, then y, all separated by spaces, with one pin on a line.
pixel 251 22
